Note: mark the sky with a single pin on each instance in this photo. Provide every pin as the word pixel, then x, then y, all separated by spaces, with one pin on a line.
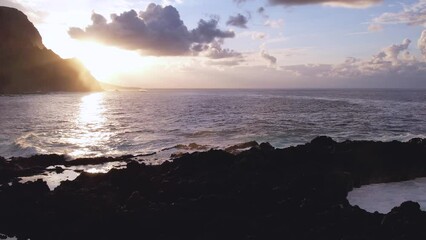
pixel 239 43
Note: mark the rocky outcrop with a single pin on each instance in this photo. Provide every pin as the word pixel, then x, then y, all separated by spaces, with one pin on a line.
pixel 27 66
pixel 15 168
pixel 262 193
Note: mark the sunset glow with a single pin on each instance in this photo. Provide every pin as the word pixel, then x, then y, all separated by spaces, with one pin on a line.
pixel 128 42
pixel 106 62
pixel 204 119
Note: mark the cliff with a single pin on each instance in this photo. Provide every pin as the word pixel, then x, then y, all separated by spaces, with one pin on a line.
pixel 27 66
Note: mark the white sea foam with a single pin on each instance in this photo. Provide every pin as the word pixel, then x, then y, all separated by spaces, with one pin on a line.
pixel 25 145
pixel 3 236
pixel 383 197
pixel 116 123
pixel 54 179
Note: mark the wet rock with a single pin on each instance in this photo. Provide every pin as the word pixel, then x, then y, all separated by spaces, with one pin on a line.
pixel 37 165
pixel 417 141
pixel 266 146
pixel 238 147
pixel 323 141
pixel 134 200
pixel 39 161
pixel 405 222
pixel 260 193
pixel 97 160
pixel 58 170
pixel 190 147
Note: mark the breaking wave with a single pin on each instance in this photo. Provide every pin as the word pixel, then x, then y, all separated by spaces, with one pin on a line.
pixel 88 125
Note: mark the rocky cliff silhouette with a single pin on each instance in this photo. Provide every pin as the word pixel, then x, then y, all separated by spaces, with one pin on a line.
pixel 27 66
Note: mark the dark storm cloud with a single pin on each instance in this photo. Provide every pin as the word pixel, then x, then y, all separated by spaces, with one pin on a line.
pixel 238 21
pixel 156 31
pixel 347 3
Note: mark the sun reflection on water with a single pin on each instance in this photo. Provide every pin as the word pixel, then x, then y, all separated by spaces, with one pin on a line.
pixel 90 133
pixel 92 110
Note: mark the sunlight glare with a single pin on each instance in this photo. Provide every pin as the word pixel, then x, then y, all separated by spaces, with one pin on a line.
pixel 90 131
pixel 91 110
pixel 105 62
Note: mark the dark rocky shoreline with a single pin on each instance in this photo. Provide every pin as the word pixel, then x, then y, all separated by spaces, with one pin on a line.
pixel 262 193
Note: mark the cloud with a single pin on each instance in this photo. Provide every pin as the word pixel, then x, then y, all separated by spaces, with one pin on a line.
pixel 237 21
pixel 258 35
pixel 308 70
pixel 207 31
pixel 375 28
pixel 273 41
pixel 169 2
pixel 157 31
pixel 278 23
pixel 262 12
pixel 225 62
pixel 393 63
pixel 240 1
pixel 336 3
pixel 352 4
pixel 269 58
pixel 214 50
pixel 422 44
pixel 254 35
pixel 414 14
pixel 12 4
pixel 392 52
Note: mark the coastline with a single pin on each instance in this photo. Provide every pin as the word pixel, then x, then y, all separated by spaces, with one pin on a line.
pixel 261 193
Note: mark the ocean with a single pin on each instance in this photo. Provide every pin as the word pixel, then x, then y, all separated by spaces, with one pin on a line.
pixel 119 123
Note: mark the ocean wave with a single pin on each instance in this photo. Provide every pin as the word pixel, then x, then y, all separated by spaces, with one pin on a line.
pixel 24 146
pixel 188 147
pixel 359 101
pixel 320 98
pixel 47 123
pixel 202 133
pixel 400 137
pixel 3 236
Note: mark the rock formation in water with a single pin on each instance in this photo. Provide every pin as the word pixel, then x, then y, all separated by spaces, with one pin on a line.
pixel 262 193
pixel 27 66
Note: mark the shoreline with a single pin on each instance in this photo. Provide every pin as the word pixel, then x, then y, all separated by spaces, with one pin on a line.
pixel 262 193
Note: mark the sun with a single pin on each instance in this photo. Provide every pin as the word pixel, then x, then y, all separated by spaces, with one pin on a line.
pixel 106 62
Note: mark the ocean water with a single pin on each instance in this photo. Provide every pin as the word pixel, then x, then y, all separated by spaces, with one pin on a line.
pixel 117 123
pixel 385 196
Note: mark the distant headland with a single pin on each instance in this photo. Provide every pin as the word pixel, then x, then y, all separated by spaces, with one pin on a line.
pixel 27 66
